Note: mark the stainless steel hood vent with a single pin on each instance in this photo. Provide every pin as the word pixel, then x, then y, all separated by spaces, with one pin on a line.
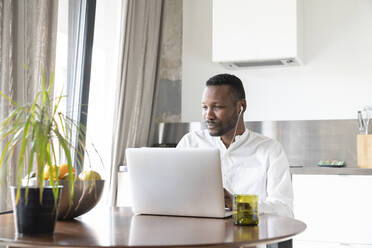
pixel 262 64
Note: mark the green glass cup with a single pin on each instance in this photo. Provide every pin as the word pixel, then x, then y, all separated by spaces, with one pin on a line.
pixel 245 209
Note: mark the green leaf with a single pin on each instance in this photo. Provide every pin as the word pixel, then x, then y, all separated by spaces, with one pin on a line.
pixel 64 144
pixel 8 99
pixel 30 166
pixel 51 81
pixel 56 105
pixel 5 153
pixel 5 122
pixel 44 92
pixel 23 149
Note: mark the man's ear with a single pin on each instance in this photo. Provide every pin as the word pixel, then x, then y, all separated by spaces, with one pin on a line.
pixel 243 106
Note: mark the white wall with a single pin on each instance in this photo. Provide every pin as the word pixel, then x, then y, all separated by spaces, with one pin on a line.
pixel 334 83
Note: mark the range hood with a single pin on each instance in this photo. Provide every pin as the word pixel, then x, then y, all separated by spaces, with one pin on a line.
pixel 257 33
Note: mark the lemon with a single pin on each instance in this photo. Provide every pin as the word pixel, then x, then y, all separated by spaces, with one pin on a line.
pixel 89 175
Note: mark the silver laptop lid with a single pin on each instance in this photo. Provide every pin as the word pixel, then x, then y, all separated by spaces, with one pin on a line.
pixel 174 181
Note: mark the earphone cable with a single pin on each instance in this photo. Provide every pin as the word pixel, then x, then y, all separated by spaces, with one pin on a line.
pixel 236 127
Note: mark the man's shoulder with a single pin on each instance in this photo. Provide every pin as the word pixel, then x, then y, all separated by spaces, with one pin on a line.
pixel 263 140
pixel 264 145
pixel 258 136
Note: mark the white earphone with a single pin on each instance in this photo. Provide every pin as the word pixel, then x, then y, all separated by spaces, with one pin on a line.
pixel 236 125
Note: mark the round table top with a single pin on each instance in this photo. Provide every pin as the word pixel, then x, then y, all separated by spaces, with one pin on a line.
pixel 118 227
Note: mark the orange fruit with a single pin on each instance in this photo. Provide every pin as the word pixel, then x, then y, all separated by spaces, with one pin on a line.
pixel 63 171
pixel 47 175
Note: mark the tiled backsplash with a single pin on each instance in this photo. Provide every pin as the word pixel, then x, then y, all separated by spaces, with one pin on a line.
pixel 305 142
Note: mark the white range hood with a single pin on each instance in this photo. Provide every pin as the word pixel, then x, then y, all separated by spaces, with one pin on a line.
pixel 257 33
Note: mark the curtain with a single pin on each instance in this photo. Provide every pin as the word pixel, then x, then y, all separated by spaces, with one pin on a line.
pixel 140 39
pixel 27 49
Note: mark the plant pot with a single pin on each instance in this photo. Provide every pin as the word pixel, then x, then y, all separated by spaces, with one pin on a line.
pixel 33 217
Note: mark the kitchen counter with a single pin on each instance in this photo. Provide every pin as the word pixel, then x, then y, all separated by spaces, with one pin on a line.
pixel 315 170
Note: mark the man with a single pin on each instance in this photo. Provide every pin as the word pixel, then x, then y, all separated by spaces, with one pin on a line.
pixel 251 163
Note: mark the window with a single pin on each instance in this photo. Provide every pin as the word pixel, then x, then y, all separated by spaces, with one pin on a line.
pixel 86 71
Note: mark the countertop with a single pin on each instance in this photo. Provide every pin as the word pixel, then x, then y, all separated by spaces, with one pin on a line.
pixel 316 170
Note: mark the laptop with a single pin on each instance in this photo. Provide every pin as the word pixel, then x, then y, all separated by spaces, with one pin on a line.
pixel 176 181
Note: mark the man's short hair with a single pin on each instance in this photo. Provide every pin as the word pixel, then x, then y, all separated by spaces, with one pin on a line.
pixel 233 81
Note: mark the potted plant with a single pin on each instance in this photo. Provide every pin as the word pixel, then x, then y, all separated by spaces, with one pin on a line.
pixel 36 135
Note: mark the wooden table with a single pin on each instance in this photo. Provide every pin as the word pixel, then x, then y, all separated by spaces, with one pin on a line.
pixel 117 227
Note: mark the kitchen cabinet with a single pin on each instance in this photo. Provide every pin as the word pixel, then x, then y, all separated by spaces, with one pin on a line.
pixel 123 193
pixel 257 33
pixel 336 208
pixel 317 244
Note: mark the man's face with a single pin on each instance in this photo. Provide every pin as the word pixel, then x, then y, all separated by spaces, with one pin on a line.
pixel 219 109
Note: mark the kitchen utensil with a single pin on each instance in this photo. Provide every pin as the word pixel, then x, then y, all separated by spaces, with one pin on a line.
pixel 361 123
pixel 366 110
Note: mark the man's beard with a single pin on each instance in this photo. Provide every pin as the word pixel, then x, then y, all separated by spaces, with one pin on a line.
pixel 219 128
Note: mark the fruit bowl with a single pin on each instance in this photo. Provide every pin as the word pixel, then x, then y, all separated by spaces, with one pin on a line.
pixel 87 194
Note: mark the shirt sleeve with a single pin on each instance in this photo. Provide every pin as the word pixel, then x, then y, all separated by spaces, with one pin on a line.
pixel 279 185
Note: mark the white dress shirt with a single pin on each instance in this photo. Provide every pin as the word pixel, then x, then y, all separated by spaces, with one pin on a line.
pixel 253 164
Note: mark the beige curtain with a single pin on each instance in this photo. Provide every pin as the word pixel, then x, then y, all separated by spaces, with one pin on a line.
pixel 27 48
pixel 137 79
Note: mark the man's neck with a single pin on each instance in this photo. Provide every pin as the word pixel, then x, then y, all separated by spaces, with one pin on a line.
pixel 228 138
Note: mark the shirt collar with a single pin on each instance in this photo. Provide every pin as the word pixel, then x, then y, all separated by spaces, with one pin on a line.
pixel 243 136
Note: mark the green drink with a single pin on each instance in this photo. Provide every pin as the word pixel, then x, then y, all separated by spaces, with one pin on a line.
pixel 245 209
